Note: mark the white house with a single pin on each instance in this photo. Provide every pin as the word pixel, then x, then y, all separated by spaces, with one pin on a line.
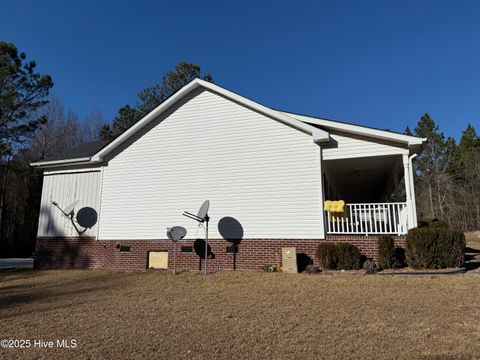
pixel 266 173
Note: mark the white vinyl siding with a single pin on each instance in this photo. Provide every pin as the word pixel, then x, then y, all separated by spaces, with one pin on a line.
pixel 343 146
pixel 64 188
pixel 262 173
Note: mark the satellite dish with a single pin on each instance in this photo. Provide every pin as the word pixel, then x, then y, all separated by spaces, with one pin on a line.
pixel 69 209
pixel 176 233
pixel 86 217
pixel 202 213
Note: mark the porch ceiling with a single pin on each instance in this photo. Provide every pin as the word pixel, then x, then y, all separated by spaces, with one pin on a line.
pixel 368 179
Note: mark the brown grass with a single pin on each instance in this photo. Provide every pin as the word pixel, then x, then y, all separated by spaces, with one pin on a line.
pixel 472 236
pixel 248 315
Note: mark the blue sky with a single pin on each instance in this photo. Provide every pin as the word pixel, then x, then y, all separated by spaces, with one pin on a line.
pixel 378 63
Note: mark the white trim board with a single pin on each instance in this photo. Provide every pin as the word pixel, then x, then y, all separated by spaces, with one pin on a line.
pixel 358 129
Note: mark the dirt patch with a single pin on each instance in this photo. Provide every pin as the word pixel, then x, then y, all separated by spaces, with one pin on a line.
pixel 246 315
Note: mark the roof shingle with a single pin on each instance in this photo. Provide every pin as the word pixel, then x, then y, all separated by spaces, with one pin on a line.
pixel 82 151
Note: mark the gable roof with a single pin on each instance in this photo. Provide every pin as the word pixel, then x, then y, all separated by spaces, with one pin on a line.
pixel 317 134
pixel 316 127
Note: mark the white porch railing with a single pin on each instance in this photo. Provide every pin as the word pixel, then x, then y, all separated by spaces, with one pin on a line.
pixel 373 218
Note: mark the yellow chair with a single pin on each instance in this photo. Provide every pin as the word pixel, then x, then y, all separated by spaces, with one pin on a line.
pixel 336 208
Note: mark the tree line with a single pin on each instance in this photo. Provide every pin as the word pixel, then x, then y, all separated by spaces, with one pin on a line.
pixel 34 125
pixel 447 181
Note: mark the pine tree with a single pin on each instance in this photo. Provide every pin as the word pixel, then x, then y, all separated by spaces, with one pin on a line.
pixel 433 166
pixel 153 96
pixel 468 178
pixel 23 91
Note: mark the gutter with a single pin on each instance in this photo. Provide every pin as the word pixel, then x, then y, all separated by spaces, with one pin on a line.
pixel 358 129
pixel 320 136
pixel 62 162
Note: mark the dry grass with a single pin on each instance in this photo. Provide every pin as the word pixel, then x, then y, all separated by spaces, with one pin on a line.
pixel 472 236
pixel 248 315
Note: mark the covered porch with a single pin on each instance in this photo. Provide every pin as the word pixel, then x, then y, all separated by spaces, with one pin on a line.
pixel 377 193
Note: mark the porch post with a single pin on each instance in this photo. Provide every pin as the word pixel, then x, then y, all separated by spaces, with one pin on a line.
pixel 412 187
pixel 408 191
pixel 324 221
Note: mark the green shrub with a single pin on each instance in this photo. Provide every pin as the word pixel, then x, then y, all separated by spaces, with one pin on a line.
pixel 434 248
pixel 386 253
pixel 348 257
pixel 327 256
pixel 338 256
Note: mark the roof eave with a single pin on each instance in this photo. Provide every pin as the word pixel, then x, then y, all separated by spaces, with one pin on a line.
pixel 57 163
pixel 360 130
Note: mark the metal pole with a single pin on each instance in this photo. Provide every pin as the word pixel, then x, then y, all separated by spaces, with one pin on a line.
pixel 174 257
pixel 206 245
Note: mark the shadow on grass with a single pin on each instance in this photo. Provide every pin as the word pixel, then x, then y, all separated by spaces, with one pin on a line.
pixel 7 275
pixel 52 289
pixel 472 258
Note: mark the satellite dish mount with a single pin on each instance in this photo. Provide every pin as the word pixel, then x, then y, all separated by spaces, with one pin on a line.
pixel 69 213
pixel 175 234
pixel 202 217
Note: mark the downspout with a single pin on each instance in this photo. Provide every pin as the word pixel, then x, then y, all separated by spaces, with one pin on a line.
pixel 100 203
pixel 412 189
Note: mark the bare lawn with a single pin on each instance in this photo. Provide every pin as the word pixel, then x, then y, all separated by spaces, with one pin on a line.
pixel 247 315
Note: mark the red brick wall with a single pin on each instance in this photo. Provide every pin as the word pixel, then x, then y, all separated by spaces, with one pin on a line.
pixel 82 252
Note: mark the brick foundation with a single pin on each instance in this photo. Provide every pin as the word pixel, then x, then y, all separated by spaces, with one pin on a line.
pixel 88 253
